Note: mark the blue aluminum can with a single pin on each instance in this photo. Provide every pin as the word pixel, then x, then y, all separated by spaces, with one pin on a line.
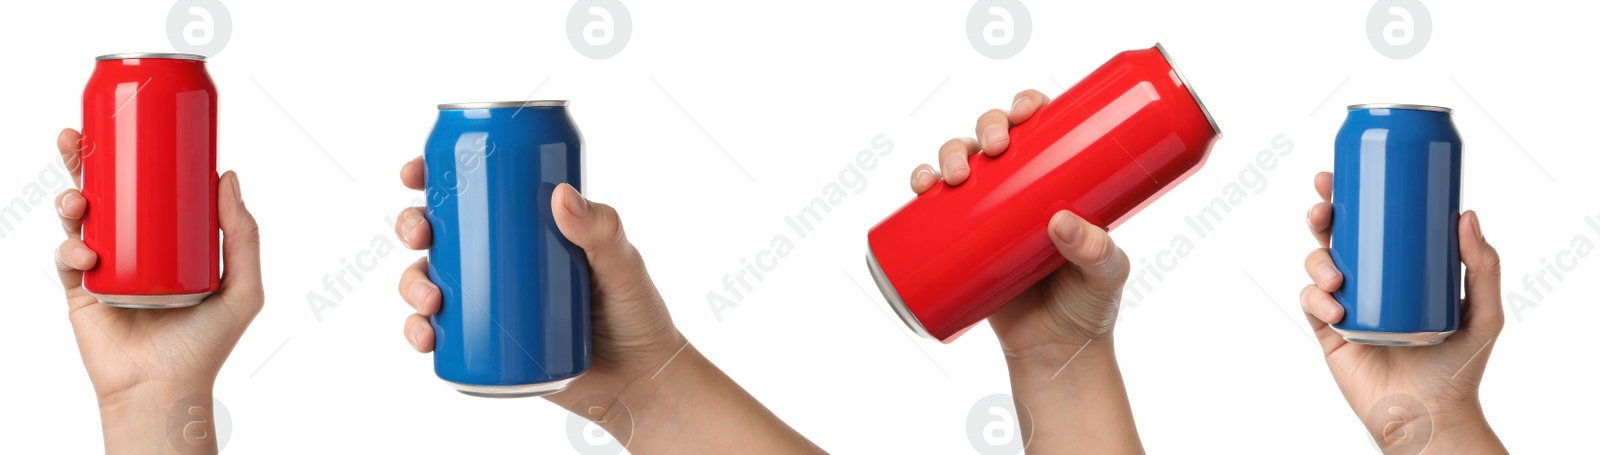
pixel 1396 204
pixel 515 316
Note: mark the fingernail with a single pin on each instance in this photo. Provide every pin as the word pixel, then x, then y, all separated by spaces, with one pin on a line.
pixel 1476 229
pixel 918 175
pixel 576 204
pixel 996 137
pixel 954 165
pixel 1069 228
pixel 420 291
pixel 1326 274
pixel 1017 103
pixel 416 334
pixel 66 201
pixel 237 195
pixel 1330 309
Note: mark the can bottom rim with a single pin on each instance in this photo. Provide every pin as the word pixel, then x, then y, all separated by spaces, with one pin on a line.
pixel 889 294
pixel 1394 338
pixel 514 391
pixel 151 302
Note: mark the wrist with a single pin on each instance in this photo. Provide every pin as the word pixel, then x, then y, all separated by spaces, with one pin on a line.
pixel 159 417
pixel 1054 358
pixel 1463 430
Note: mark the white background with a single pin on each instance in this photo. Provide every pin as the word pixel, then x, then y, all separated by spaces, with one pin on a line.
pixel 792 92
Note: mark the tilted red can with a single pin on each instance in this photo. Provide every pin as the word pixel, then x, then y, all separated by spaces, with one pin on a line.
pixel 1104 149
pixel 149 157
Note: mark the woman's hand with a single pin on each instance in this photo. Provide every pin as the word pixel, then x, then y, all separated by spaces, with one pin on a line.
pixel 636 346
pixel 1057 334
pixel 1411 397
pixel 145 363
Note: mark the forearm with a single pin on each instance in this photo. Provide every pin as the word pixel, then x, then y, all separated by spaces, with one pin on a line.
pixel 1075 399
pixel 159 418
pixel 691 406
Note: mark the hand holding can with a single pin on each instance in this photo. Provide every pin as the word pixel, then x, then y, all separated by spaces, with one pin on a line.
pixel 158 359
pixel 1130 131
pixel 1436 384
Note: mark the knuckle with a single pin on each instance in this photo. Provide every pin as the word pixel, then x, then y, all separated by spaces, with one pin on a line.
pixel 1490 262
pixel 610 226
pixel 992 116
pixel 952 146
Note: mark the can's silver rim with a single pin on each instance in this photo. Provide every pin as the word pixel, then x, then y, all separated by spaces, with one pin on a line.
pixel 1190 87
pixel 501 105
pixel 139 55
pixel 1394 338
pixel 1409 107
pixel 889 294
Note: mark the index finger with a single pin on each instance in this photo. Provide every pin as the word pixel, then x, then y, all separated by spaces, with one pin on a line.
pixel 70 144
pixel 411 174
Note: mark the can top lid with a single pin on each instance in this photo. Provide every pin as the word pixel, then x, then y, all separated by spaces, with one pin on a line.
pixel 1412 107
pixel 138 55
pixel 502 105
pixel 1190 87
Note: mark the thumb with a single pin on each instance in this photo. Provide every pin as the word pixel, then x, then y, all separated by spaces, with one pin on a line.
pixel 1104 266
pixel 241 247
pixel 1483 315
pixel 616 267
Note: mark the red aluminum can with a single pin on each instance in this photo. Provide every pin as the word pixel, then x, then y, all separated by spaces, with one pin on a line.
pixel 1107 147
pixel 150 179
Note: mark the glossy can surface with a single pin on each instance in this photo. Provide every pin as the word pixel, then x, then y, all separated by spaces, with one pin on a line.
pixel 149 155
pixel 515 315
pixel 1396 204
pixel 1104 149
